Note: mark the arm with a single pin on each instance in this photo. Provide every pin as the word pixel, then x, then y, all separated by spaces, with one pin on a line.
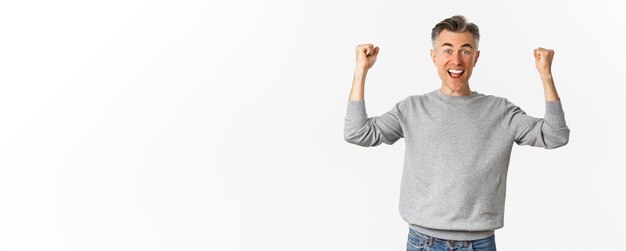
pixel 358 128
pixel 543 63
pixel 548 132
pixel 551 131
pixel 358 85
pixel 363 131
pixel 365 58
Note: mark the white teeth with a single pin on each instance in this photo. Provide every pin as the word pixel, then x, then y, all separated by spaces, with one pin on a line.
pixel 455 71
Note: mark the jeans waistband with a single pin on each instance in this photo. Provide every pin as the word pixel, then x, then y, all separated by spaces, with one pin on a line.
pixel 452 234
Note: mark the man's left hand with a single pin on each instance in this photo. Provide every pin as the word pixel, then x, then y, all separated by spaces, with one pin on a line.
pixel 543 60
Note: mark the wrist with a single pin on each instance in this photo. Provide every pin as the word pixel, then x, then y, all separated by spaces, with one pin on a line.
pixel 545 75
pixel 360 71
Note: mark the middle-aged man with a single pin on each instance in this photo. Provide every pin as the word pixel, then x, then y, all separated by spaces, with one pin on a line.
pixel 458 141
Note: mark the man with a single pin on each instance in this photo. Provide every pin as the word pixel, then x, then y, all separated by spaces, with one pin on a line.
pixel 458 141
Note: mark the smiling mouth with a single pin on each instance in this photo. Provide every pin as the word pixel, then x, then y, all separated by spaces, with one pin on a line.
pixel 454 73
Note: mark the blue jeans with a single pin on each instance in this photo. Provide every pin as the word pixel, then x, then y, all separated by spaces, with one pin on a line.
pixel 421 242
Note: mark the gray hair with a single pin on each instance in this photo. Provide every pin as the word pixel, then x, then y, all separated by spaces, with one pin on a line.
pixel 456 23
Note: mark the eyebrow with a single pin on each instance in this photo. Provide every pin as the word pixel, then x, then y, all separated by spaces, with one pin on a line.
pixel 449 44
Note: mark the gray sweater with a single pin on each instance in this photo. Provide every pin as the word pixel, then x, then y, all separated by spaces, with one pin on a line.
pixel 457 156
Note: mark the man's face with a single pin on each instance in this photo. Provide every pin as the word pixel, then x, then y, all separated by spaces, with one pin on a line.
pixel 455 56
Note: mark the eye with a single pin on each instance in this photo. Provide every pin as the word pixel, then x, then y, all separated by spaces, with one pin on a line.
pixel 447 51
pixel 466 52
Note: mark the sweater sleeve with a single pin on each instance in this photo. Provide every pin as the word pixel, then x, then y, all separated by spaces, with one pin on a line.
pixel 548 132
pixel 363 131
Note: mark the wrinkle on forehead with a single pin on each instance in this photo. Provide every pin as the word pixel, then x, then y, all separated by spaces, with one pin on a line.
pixel 464 45
pixel 449 38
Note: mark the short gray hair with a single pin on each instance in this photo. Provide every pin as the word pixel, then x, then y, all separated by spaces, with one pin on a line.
pixel 456 23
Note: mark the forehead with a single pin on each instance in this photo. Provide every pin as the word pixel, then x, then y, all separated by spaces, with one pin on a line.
pixel 456 38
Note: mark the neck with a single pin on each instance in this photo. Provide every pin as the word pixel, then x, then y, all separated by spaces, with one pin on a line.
pixel 463 91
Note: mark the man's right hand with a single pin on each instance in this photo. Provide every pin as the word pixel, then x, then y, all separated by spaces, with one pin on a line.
pixel 366 56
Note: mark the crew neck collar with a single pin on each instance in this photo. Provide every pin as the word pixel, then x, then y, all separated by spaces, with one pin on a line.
pixel 444 96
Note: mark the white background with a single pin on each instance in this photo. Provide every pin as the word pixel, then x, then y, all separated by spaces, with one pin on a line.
pixel 194 125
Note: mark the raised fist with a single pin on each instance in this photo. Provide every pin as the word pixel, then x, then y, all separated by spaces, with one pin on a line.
pixel 543 60
pixel 366 56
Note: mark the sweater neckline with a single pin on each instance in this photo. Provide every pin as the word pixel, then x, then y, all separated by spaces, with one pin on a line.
pixel 448 97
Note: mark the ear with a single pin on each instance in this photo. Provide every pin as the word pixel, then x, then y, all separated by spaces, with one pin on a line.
pixel 476 58
pixel 432 56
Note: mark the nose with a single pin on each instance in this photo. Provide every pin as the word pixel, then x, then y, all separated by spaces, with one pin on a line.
pixel 456 59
